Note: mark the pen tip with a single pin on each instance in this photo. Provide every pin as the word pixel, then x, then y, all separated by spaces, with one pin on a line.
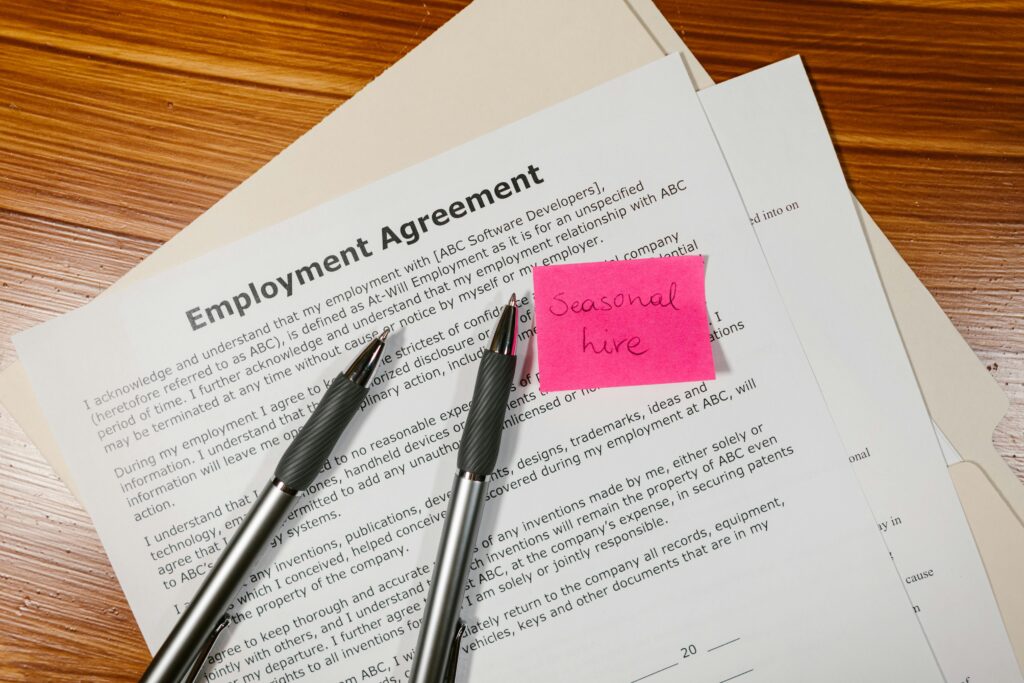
pixel 504 338
pixel 384 334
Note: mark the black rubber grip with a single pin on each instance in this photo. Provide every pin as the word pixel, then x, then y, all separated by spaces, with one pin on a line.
pixel 309 450
pixel 481 440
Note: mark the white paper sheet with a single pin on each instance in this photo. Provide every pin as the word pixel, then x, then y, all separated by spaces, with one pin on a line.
pixel 778 148
pixel 718 524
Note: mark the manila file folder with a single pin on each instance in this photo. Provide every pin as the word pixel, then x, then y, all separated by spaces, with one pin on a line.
pixel 490 65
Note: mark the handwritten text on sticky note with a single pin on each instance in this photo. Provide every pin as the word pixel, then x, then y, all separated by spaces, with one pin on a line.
pixel 621 323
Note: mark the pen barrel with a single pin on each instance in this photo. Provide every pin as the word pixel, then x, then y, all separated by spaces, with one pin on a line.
pixel 304 458
pixel 481 440
pixel 176 656
pixel 448 583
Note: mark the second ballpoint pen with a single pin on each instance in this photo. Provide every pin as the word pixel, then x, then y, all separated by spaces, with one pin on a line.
pixel 437 648
pixel 182 655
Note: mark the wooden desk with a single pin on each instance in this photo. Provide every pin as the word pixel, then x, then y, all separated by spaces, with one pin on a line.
pixel 120 122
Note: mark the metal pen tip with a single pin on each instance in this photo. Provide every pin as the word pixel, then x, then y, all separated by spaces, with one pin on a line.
pixel 512 299
pixel 384 334
pixel 362 368
pixel 504 338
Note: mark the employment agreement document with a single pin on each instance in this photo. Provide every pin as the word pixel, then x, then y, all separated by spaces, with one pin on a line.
pixel 709 531
pixel 778 148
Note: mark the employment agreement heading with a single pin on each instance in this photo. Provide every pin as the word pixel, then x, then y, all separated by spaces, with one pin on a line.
pixel 408 233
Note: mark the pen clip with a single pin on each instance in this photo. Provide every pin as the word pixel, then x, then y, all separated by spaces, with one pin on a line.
pixel 204 651
pixel 453 654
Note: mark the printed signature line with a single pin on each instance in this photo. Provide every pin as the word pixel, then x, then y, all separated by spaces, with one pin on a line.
pixel 712 649
pixel 637 680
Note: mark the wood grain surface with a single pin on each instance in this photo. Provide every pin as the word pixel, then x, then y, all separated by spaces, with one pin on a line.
pixel 120 122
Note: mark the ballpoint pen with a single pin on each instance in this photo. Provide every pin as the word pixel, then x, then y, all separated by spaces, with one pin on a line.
pixel 436 652
pixel 183 654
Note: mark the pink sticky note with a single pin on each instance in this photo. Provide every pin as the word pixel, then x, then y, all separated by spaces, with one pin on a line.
pixel 622 323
